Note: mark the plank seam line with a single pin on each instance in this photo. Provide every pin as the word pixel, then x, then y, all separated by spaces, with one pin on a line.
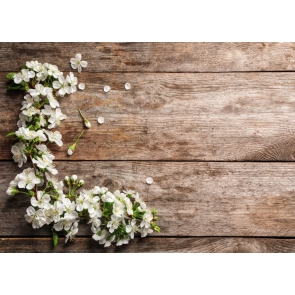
pixel 165 237
pixel 180 72
pixel 164 161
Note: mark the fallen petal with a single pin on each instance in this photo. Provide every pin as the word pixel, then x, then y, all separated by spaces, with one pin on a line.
pixel 106 89
pixel 100 120
pixel 81 86
pixel 127 86
pixel 149 180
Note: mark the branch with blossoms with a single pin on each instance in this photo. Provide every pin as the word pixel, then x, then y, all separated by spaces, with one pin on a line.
pixel 114 217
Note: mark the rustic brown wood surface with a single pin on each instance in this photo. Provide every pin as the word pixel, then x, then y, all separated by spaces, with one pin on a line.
pixel 152 245
pixel 193 110
pixel 155 57
pixel 167 116
pixel 193 199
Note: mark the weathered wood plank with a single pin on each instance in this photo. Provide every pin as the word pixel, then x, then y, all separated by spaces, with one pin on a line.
pixel 151 245
pixel 211 117
pixel 155 57
pixel 193 199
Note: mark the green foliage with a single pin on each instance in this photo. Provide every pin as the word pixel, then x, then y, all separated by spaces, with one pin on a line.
pixel 54 237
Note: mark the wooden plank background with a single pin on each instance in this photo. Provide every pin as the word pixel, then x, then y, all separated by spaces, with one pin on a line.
pixel 212 123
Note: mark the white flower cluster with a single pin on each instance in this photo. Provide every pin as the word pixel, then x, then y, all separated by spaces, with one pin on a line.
pixel 114 217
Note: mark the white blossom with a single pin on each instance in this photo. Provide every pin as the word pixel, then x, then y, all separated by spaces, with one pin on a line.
pixel 28 134
pixel 121 242
pixel 24 75
pixel 56 118
pixel 73 81
pixel 53 71
pixel 18 153
pixel 42 201
pixel 146 219
pixel 38 90
pixel 81 203
pixel 114 223
pixel 52 100
pixel 144 231
pixel 73 231
pixel 22 122
pixel 131 228
pixel 32 64
pixel 45 162
pixel 29 101
pixel 99 234
pixel 78 63
pixel 62 85
pixel 28 179
pixel 58 209
pixel 37 218
pixel 31 112
pixel 54 137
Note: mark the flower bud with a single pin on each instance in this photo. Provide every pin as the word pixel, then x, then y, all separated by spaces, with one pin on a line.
pixel 80 183
pixel 87 123
pixel 154 211
pixel 71 149
pixel 31 193
pixel 37 126
pixel 11 191
pixel 10 76
pixel 74 178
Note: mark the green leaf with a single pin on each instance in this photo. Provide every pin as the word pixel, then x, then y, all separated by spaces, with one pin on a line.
pixel 10 134
pixel 10 76
pixel 54 237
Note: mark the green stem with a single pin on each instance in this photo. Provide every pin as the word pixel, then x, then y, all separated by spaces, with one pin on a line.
pixel 79 137
pixel 81 114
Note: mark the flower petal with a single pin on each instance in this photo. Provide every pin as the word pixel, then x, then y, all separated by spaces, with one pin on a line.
pixel 74 66
pixel 84 63
pixel 81 86
pixel 78 56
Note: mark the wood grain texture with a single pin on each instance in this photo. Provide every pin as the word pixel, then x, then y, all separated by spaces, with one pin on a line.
pixel 207 117
pixel 151 245
pixel 193 199
pixel 154 57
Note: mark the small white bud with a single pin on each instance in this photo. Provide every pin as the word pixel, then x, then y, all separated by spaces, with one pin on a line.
pixel 70 152
pixel 74 177
pixel 9 191
pixel 87 124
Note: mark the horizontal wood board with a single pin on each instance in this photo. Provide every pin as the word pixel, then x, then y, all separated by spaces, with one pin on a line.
pixel 151 245
pixel 191 117
pixel 193 199
pixel 155 57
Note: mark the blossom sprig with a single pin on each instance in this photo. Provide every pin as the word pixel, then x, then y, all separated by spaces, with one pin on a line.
pixel 114 217
pixel 85 120
pixel 73 146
